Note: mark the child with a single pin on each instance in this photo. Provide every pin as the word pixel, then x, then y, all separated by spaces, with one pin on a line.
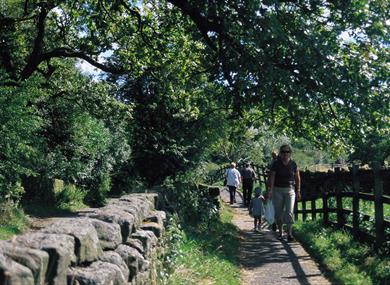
pixel 256 208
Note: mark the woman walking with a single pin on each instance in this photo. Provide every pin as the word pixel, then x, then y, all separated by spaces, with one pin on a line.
pixel 233 179
pixel 285 186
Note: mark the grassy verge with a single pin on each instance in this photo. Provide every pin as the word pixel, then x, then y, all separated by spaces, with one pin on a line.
pixel 12 220
pixel 207 255
pixel 42 210
pixel 347 261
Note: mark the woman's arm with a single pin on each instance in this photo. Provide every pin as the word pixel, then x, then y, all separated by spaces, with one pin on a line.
pixel 297 184
pixel 270 183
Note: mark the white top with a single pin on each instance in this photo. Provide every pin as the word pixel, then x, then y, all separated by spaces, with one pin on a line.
pixel 233 177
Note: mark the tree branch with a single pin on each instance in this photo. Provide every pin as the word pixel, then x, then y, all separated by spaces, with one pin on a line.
pixel 65 52
pixel 34 61
pixel 139 22
pixel 25 7
pixel 204 24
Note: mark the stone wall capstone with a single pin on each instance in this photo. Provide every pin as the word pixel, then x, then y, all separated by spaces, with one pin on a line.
pixel 114 245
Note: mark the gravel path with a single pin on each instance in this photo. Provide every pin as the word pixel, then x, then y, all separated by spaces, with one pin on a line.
pixel 266 260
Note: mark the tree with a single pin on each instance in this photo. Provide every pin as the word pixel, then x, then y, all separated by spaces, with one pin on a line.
pixel 285 63
pixel 20 122
pixel 86 132
pixel 175 104
pixel 307 80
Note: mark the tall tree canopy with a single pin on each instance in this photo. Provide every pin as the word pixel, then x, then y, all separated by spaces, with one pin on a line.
pixel 310 68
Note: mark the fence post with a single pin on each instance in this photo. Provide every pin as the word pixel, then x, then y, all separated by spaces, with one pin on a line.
pixel 355 201
pixel 313 208
pixel 339 201
pixel 304 213
pixel 325 206
pixel 378 192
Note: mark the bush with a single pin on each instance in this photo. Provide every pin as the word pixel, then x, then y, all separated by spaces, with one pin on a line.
pixel 197 255
pixel 70 197
pixel 173 238
pixel 12 219
pixel 98 190
pixel 189 199
pixel 12 193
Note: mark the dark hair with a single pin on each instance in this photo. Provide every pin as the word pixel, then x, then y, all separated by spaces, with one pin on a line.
pixel 285 146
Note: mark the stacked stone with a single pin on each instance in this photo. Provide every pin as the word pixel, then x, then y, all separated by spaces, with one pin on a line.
pixel 115 245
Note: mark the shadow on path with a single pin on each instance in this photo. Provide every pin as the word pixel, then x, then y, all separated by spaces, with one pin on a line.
pixel 265 260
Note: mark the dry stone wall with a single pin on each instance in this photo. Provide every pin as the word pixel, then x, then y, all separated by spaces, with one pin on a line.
pixel 114 245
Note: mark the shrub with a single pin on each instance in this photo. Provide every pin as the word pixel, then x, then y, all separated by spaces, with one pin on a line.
pixel 173 238
pixel 189 199
pixel 11 194
pixel 98 189
pixel 70 197
pixel 12 219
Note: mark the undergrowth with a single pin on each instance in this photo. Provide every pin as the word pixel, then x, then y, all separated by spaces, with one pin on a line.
pixel 347 260
pixel 202 254
pixel 12 220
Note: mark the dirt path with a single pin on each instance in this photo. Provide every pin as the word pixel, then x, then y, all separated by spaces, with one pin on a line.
pixel 266 260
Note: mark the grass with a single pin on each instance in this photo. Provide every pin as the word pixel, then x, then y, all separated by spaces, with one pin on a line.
pixel 208 255
pixel 347 261
pixel 68 200
pixel 42 210
pixel 12 220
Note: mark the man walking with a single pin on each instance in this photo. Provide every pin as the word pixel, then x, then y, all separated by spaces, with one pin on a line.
pixel 248 178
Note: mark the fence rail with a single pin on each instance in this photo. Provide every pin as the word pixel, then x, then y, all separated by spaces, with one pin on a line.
pixel 331 188
pixel 359 185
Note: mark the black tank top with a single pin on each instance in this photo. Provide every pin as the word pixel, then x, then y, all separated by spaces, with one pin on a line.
pixel 284 174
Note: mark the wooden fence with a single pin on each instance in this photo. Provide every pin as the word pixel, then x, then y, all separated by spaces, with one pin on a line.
pixel 323 195
pixel 357 184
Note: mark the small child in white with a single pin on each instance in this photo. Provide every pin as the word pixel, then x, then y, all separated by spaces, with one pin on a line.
pixel 256 208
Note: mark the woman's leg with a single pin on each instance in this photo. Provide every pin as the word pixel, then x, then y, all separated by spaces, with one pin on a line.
pixel 289 202
pixel 277 199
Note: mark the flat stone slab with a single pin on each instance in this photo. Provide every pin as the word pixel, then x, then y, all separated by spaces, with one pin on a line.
pixel 61 250
pixel 98 273
pixel 133 259
pixel 34 259
pixel 87 246
pixel 114 215
pixel 109 234
pixel 156 228
pixel 13 273
pixel 114 258
pixel 145 204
